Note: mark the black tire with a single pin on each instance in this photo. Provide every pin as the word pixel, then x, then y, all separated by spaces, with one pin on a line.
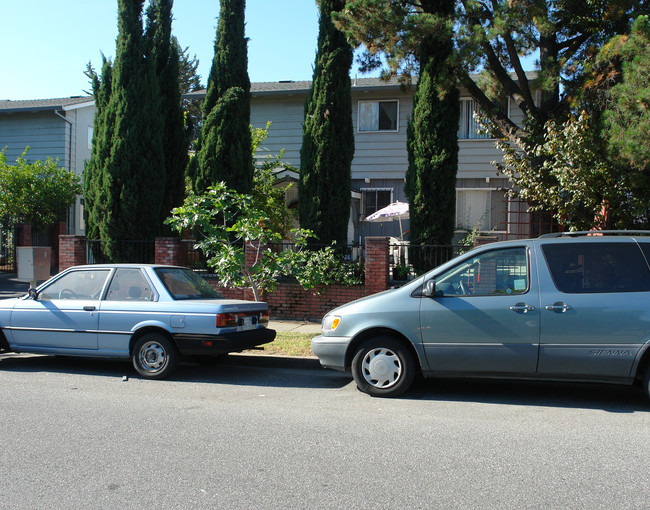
pixel 646 382
pixel 383 367
pixel 154 356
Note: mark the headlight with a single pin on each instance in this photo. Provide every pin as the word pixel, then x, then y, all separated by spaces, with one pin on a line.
pixel 331 322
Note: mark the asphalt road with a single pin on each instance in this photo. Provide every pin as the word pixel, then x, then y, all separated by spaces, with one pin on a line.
pixel 75 434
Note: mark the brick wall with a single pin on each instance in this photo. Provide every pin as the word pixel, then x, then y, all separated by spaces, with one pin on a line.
pixel 288 300
pixel 72 251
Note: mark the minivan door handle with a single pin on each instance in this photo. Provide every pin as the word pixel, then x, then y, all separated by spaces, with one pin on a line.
pixel 522 308
pixel 558 307
pixel 89 308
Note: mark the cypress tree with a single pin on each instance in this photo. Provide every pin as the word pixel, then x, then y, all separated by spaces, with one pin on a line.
pixel 328 137
pixel 129 171
pixel 223 151
pixel 166 55
pixel 432 139
pixel 101 146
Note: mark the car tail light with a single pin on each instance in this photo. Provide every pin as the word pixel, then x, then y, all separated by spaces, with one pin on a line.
pixel 227 320
pixel 232 320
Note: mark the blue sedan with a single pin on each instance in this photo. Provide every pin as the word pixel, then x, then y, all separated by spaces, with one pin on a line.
pixel 152 314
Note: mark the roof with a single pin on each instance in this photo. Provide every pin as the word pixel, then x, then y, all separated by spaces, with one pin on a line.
pixel 302 87
pixel 34 105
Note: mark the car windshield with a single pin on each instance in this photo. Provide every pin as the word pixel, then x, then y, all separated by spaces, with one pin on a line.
pixel 185 284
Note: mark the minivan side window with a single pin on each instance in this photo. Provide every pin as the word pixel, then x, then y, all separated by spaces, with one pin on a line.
pixel 597 267
pixel 503 271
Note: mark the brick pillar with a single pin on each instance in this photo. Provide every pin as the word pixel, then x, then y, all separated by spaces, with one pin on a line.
pixel 24 234
pixel 169 251
pixel 72 251
pixel 377 264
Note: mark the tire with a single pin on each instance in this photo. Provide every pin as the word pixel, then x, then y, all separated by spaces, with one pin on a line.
pixel 383 367
pixel 154 356
pixel 646 381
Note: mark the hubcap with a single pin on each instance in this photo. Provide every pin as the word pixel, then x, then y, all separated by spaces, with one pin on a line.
pixel 153 357
pixel 381 368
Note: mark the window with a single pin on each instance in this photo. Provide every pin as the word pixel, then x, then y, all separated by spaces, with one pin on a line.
pixel 468 127
pixel 494 272
pixel 482 209
pixel 129 285
pixel 597 267
pixel 375 199
pixel 378 115
pixel 75 285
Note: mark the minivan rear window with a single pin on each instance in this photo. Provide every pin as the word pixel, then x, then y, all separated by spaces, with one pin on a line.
pixel 597 267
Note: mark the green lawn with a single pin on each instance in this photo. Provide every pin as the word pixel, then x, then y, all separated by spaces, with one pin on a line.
pixel 290 344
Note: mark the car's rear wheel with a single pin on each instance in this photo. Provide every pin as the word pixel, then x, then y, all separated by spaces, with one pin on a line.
pixel 383 367
pixel 154 356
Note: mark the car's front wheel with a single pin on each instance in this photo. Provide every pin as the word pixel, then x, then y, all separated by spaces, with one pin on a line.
pixel 154 356
pixel 383 367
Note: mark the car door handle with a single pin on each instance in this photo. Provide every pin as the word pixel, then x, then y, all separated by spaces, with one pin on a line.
pixel 522 308
pixel 89 308
pixel 558 307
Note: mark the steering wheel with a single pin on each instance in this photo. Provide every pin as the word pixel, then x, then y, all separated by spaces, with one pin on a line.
pixel 67 294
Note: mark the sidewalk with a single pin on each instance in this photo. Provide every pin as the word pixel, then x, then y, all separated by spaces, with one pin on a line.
pixel 10 287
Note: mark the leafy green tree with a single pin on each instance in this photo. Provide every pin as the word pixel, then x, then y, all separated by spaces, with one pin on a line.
pixel 432 138
pixel 166 54
pixel 126 181
pixel 328 137
pixel 223 150
pixel 39 192
pixel 228 222
pixel 267 195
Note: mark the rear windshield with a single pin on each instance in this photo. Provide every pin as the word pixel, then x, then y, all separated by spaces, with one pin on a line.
pixel 186 284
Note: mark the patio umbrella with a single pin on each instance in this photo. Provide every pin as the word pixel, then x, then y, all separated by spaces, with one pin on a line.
pixel 392 212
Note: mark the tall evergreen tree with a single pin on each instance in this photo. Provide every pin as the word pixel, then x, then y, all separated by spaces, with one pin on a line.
pixel 101 146
pixel 223 151
pixel 127 165
pixel 432 139
pixel 165 52
pixel 328 137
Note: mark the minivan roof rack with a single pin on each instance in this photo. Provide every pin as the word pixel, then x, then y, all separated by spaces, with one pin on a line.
pixel 597 233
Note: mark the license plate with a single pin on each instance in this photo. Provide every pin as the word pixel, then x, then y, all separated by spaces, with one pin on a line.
pixel 246 323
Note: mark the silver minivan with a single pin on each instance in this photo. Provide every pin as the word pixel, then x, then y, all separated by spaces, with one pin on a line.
pixel 572 307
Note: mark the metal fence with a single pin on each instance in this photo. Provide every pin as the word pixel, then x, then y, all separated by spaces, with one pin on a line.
pixel 132 251
pixel 7 246
pixel 406 261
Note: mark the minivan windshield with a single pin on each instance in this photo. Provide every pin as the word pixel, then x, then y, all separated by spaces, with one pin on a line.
pixel 184 283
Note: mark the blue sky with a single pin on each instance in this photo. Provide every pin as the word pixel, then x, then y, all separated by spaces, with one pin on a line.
pixel 46 44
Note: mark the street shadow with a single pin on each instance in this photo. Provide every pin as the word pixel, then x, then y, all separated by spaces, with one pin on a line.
pixel 612 398
pixel 262 370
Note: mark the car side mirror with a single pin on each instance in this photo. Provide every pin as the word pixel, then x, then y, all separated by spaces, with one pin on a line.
pixel 429 288
pixel 33 293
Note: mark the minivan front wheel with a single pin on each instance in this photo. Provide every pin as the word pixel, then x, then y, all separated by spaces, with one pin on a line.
pixel 383 367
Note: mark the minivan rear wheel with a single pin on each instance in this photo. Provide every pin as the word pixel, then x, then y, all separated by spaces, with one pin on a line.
pixel 383 367
pixel 646 381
